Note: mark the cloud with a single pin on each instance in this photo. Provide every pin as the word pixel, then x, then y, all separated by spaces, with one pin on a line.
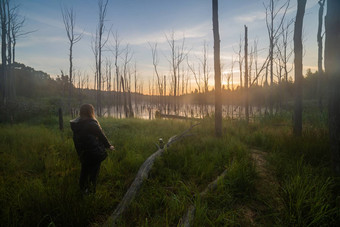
pixel 250 17
pixel 39 40
pixel 52 24
pixel 47 21
pixel 198 31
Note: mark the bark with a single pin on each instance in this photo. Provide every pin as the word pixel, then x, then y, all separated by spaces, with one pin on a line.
pixel 102 4
pixel 189 216
pixel 131 114
pixel 205 68
pixel 3 51
pixel 10 83
pixel 301 4
pixel 332 71
pixel 142 175
pixel 69 23
pixel 272 11
pixel 116 53
pixel 159 77
pixel 177 57
pixel 246 72
pixel 240 62
pixel 126 79
pixel 217 67
pixel 126 110
pixel 271 56
pixel 320 47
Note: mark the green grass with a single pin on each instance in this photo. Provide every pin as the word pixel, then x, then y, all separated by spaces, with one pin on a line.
pixel 307 190
pixel 39 172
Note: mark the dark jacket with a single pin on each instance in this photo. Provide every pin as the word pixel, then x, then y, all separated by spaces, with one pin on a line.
pixel 89 140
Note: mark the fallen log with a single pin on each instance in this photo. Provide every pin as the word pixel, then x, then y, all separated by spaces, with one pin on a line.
pixel 190 214
pixel 171 116
pixel 142 174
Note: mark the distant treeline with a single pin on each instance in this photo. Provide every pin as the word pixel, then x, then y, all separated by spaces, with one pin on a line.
pixel 31 83
pixel 38 93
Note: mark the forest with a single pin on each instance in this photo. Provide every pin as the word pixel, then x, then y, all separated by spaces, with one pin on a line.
pixel 198 137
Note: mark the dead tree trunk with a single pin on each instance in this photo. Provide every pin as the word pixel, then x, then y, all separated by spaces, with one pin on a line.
pixel 142 174
pixel 69 22
pixel 272 11
pixel 332 70
pixel 126 110
pixel 301 4
pixel 9 52
pixel 3 72
pixel 246 107
pixel 319 39
pixel 189 216
pixel 217 67
pixel 131 113
pixel 102 5
pixel 240 62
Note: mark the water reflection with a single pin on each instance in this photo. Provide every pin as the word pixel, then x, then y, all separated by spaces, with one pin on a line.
pixel 148 111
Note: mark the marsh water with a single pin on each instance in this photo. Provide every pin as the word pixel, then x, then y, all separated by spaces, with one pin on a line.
pixel 148 111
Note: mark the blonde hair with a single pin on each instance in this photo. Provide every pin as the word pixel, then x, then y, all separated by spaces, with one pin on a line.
pixel 87 111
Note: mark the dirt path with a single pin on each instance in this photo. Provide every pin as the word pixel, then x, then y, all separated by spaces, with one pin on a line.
pixel 265 176
pixel 266 190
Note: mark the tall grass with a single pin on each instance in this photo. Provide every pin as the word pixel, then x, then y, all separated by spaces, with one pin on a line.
pixel 39 172
pixel 302 167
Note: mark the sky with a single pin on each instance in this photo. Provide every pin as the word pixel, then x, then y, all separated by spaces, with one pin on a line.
pixel 140 23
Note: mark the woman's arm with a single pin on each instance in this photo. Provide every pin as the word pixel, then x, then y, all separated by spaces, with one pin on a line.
pixel 98 132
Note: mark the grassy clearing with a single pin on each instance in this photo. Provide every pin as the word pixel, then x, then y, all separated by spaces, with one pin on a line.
pixel 39 173
pixel 306 191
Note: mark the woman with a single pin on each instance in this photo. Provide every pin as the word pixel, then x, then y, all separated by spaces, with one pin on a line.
pixel 90 143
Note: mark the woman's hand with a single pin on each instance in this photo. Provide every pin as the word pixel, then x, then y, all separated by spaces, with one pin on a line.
pixel 112 148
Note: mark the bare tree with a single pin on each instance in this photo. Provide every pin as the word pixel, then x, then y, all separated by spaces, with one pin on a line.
pixel 16 31
pixel 10 27
pixel 155 62
pixel 69 19
pixel 125 81
pixel 187 81
pixel 177 56
pixel 240 61
pixel 184 76
pixel 246 72
pixel 205 67
pixel 4 18
pixel 100 43
pixel 136 82
pixel 284 54
pixel 255 62
pixel 9 39
pixel 272 13
pixel 116 53
pixel 108 74
pixel 319 40
pixel 197 75
pixel 164 90
pixel 250 64
pixel 232 73
pixel 332 71
pixel 217 67
pixel 135 76
pixel 228 77
pixel 259 71
pixel 298 48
